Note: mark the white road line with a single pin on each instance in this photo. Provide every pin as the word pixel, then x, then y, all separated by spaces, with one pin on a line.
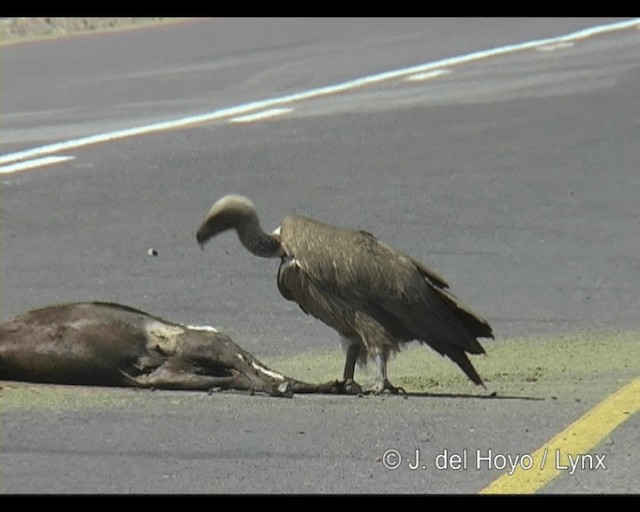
pixel 555 46
pixel 313 93
pixel 30 164
pixel 259 116
pixel 420 77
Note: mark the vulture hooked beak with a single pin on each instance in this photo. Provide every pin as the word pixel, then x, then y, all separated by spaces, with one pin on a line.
pixel 201 238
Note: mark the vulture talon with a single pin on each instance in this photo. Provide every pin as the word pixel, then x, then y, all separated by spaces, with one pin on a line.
pixel 380 389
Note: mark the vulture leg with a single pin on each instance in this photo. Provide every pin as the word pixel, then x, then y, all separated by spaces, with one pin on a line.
pixel 382 383
pixel 352 346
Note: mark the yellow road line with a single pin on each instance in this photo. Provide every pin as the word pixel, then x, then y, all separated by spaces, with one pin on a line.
pixel 569 450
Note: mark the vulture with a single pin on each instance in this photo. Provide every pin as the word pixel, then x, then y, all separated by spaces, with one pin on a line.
pixel 376 298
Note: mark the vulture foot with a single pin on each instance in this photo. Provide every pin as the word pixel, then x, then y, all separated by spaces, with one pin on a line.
pixel 381 387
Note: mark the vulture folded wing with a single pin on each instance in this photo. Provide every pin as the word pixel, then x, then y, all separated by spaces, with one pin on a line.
pixel 333 273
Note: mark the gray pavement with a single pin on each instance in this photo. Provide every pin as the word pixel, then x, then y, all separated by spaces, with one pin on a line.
pixel 514 176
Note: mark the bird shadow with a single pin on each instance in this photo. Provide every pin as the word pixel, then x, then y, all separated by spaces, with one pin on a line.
pixel 489 396
pixel 337 388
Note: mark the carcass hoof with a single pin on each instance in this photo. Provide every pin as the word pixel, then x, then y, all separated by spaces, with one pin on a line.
pixel 348 387
pixel 285 390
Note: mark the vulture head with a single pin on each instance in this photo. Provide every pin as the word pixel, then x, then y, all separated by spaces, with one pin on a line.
pixel 238 212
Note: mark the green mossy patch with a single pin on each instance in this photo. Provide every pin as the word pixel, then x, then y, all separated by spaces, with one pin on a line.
pixel 510 365
pixel 553 366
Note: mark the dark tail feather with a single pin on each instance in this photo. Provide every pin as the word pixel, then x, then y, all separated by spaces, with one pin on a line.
pixel 476 326
pixel 461 359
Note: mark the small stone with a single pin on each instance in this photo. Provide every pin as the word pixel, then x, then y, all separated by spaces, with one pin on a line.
pixel 425 437
pixel 152 252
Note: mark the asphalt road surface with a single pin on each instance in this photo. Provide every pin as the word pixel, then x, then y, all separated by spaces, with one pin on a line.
pixel 513 173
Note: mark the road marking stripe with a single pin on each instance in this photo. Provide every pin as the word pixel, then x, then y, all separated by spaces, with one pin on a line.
pixel 313 93
pixel 30 164
pixel 553 47
pixel 259 116
pixel 576 440
pixel 428 75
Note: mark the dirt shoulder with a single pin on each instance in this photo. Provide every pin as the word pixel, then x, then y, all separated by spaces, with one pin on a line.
pixel 15 30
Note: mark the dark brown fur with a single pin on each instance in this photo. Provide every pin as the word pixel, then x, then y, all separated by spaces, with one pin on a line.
pixel 106 344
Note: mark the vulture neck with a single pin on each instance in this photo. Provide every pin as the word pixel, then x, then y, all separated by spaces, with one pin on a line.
pixel 256 241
